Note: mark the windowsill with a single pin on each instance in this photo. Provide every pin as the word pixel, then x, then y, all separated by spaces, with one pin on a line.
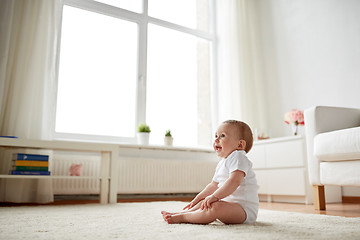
pixel 147 147
pixel 164 147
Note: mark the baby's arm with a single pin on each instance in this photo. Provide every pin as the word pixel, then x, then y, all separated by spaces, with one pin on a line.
pixel 208 190
pixel 230 185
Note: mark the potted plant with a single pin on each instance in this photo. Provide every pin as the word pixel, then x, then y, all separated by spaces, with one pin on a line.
pixel 168 139
pixel 143 134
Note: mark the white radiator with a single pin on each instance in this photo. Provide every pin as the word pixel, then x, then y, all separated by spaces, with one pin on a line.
pixel 135 175
pixel 60 167
pixel 164 175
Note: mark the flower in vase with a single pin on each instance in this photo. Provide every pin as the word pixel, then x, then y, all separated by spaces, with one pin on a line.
pixel 295 117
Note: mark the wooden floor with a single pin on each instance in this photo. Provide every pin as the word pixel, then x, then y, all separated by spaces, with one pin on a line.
pixel 333 209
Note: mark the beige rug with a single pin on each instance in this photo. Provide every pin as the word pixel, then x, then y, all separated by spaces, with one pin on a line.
pixel 144 221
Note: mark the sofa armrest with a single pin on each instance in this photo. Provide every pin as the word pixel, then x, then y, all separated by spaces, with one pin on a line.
pixel 321 119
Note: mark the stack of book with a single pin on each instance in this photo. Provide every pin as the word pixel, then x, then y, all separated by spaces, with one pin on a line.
pixel 30 164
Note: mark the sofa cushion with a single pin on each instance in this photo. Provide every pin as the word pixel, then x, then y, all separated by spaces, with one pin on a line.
pixel 340 145
pixel 340 173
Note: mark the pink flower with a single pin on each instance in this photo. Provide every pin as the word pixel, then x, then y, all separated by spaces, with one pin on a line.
pixel 294 116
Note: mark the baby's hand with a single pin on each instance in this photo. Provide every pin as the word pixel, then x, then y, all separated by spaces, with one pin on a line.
pixel 189 206
pixel 206 204
pixel 192 203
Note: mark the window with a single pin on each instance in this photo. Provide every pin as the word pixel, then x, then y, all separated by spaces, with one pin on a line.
pixel 97 75
pixel 122 63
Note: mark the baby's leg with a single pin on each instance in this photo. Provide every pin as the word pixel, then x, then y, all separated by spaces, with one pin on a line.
pixel 194 208
pixel 226 212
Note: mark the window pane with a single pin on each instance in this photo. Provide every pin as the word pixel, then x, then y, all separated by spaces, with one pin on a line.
pixel 97 75
pixel 131 5
pixel 178 87
pixel 189 13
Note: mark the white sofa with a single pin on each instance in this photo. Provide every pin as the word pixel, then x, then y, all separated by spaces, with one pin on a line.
pixel 333 148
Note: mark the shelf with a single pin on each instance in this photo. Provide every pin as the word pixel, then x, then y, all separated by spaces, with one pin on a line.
pixel 278 139
pixel 108 164
pixel 50 177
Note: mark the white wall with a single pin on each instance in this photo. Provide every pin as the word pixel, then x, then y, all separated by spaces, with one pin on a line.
pixel 311 54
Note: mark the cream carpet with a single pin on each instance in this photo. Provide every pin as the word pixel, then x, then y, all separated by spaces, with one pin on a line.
pixel 144 221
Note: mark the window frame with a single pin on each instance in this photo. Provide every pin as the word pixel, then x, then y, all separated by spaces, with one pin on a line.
pixel 142 20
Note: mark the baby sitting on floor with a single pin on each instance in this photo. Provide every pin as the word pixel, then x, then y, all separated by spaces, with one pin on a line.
pixel 232 195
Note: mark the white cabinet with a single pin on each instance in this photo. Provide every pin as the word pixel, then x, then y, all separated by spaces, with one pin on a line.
pixel 281 169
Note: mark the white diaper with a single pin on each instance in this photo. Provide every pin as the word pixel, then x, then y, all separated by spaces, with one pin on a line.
pixel 251 210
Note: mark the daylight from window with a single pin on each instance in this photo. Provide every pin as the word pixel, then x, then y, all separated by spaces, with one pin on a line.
pixel 99 83
pixel 172 84
pixel 131 5
pixel 97 78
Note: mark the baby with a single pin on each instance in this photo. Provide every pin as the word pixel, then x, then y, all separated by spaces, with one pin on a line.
pixel 232 196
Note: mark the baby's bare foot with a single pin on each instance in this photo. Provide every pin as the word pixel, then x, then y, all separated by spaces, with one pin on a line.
pixel 171 219
pixel 164 214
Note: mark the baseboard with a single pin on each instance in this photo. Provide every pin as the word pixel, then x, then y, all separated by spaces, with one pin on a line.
pixel 348 199
pixel 283 199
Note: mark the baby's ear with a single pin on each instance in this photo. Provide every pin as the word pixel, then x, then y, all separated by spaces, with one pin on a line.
pixel 242 144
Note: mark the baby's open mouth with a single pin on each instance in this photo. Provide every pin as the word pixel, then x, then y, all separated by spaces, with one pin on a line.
pixel 218 148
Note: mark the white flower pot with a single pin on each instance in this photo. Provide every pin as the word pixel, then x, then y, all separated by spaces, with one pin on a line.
pixel 143 138
pixel 168 141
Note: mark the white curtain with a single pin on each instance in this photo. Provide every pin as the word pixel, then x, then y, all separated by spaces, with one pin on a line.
pixel 27 84
pixel 241 87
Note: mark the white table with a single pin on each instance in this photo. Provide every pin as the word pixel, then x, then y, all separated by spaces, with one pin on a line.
pixel 108 166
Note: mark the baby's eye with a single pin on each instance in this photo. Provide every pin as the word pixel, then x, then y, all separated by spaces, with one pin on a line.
pixel 222 135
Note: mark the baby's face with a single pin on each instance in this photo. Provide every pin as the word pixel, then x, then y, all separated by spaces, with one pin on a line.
pixel 226 140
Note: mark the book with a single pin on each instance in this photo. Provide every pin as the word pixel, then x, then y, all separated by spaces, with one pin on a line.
pixel 30 157
pixel 29 168
pixel 13 172
pixel 30 163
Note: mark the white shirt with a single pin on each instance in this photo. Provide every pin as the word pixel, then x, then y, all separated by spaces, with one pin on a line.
pixel 247 192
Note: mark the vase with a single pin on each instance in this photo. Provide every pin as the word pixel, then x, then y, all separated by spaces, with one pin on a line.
pixel 168 141
pixel 143 138
pixel 295 128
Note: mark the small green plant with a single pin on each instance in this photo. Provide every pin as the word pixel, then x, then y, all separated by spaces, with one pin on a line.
pixel 168 133
pixel 144 128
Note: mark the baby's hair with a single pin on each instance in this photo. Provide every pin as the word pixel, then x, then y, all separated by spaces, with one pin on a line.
pixel 244 131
